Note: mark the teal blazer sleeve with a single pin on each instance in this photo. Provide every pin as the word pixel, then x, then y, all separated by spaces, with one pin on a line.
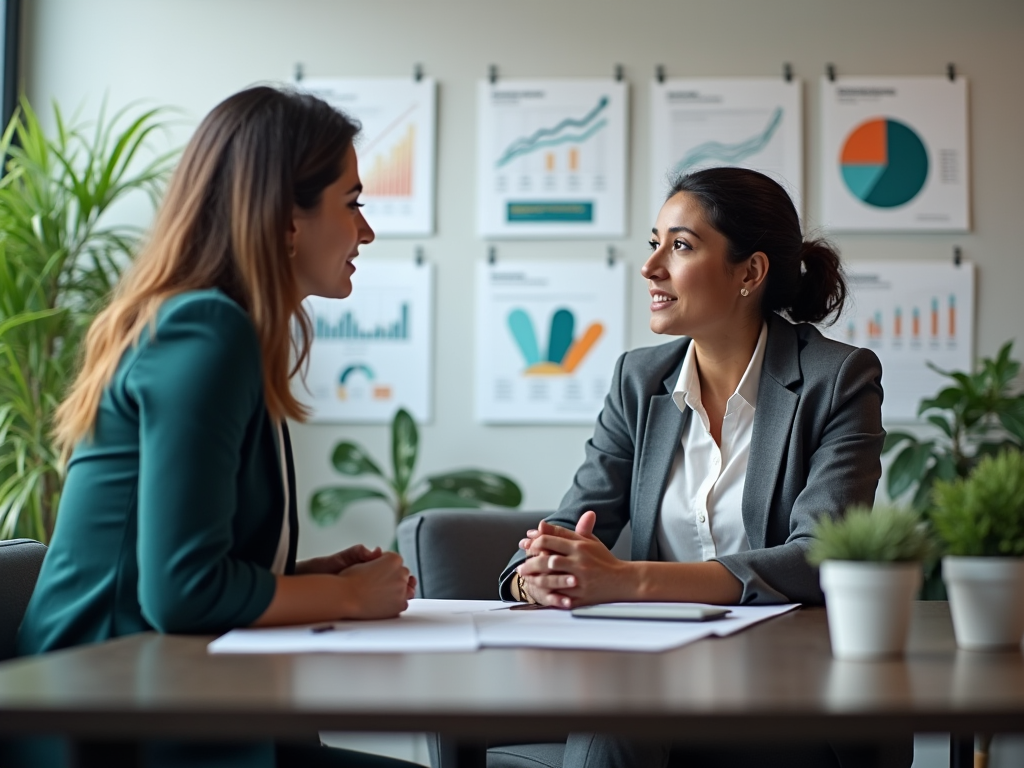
pixel 815 450
pixel 196 385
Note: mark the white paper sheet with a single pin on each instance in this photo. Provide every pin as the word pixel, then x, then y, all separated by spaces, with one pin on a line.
pixel 412 632
pixel 546 628
pixel 466 625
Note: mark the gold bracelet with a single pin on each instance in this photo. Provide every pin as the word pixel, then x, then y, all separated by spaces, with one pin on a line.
pixel 524 594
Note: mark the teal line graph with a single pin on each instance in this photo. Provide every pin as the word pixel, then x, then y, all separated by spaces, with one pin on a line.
pixel 551 137
pixel 731 154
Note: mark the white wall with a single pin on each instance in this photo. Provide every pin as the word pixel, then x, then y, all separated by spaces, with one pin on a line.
pixel 192 53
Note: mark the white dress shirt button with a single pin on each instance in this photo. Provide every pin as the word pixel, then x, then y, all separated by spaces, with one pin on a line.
pixel 701 518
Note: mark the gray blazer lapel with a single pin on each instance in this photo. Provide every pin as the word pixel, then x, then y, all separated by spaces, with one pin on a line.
pixel 662 434
pixel 773 421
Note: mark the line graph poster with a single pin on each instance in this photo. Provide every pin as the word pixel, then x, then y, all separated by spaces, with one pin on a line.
pixel 910 313
pixel 551 158
pixel 752 123
pixel 895 154
pixel 396 148
pixel 372 352
pixel 548 336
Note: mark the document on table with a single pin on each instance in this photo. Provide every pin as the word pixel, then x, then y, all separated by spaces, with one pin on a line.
pixel 412 632
pixel 466 625
pixel 546 628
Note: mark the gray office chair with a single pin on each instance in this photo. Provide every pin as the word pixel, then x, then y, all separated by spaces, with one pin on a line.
pixel 20 561
pixel 458 554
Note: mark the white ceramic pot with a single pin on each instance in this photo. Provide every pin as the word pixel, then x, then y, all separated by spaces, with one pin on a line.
pixel 868 606
pixel 986 600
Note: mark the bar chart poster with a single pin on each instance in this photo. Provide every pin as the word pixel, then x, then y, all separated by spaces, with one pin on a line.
pixel 910 313
pixel 551 158
pixel 372 352
pixel 548 336
pixel 396 148
pixel 754 123
pixel 895 154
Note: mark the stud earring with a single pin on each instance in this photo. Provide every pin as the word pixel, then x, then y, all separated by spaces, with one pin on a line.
pixel 744 292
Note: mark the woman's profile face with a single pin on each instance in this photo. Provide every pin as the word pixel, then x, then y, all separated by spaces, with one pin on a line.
pixel 694 290
pixel 327 238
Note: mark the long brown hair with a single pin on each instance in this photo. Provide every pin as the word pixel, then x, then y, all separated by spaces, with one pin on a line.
pixel 223 224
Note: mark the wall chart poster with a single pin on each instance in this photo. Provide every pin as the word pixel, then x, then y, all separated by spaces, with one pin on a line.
pixel 372 352
pixel 895 154
pixel 548 336
pixel 910 313
pixel 551 158
pixel 396 147
pixel 754 123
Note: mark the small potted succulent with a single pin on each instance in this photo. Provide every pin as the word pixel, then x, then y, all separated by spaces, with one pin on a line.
pixel 871 566
pixel 980 520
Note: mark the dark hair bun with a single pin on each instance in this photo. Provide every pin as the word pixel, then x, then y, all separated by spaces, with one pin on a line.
pixel 821 289
pixel 755 214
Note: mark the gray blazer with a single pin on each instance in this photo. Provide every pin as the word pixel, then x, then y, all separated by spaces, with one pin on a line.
pixel 815 450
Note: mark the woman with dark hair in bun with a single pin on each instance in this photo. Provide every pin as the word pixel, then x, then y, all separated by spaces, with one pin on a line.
pixel 721 449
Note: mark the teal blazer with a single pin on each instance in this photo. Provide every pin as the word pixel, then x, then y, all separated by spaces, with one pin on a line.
pixel 171 513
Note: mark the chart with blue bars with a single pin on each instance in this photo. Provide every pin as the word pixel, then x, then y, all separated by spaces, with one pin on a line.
pixel 372 352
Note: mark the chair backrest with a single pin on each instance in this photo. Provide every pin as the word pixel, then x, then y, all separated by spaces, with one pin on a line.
pixel 20 561
pixel 458 554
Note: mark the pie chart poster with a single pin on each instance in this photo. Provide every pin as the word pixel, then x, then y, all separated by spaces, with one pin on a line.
pixel 895 154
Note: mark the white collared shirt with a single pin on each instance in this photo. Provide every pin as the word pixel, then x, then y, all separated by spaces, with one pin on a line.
pixel 701 515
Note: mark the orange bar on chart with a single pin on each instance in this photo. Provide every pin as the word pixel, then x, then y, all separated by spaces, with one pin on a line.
pixel 952 317
pixel 549 161
pixel 581 346
pixel 898 324
pixel 574 159
pixel 935 317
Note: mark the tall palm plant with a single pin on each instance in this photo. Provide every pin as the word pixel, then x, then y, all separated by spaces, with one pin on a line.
pixel 60 256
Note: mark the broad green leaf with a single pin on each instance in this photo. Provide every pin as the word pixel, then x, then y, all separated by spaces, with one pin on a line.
pixel 1011 416
pixel 328 504
pixel 435 499
pixel 946 399
pixel 941 423
pixel 404 447
pixel 908 468
pixel 892 439
pixel 350 459
pixel 480 486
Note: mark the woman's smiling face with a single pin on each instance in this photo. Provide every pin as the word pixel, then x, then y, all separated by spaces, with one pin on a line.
pixel 694 289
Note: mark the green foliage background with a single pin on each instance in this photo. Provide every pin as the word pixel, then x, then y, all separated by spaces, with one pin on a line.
pixel 59 259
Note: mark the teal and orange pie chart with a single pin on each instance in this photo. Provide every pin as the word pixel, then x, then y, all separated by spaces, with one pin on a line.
pixel 884 162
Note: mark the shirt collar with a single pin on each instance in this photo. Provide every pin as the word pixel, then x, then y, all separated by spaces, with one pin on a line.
pixel 687 390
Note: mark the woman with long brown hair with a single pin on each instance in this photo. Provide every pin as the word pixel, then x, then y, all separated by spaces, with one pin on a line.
pixel 178 513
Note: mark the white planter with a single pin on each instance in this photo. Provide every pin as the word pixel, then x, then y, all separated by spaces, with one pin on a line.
pixel 868 606
pixel 986 600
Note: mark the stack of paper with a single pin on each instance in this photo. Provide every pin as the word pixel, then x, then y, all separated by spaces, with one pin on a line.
pixel 466 625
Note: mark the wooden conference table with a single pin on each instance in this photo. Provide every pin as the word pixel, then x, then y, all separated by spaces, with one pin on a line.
pixel 775 681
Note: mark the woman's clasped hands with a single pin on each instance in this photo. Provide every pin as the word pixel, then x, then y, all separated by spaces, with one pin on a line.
pixel 566 569
pixel 377 585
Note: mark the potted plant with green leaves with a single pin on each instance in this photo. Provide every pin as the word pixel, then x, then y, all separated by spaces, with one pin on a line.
pixel 980 520
pixel 466 488
pixel 61 253
pixel 977 415
pixel 871 562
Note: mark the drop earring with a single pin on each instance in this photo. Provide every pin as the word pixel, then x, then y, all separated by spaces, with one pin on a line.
pixel 744 292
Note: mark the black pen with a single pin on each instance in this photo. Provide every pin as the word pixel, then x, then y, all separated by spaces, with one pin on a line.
pixel 322 628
